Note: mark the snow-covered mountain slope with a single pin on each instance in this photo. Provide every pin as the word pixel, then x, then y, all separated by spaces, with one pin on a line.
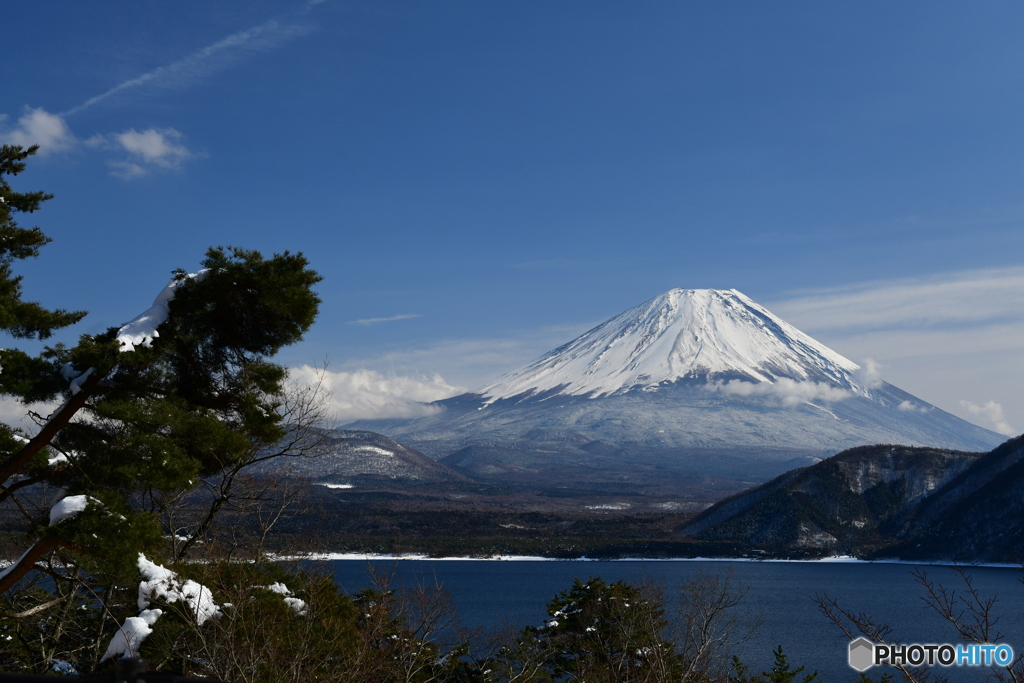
pixel 687 373
pixel 708 334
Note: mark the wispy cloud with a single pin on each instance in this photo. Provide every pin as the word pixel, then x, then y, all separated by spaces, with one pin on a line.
pixel 39 127
pixel 942 338
pixel 374 321
pixel 367 394
pixel 205 61
pixel 977 296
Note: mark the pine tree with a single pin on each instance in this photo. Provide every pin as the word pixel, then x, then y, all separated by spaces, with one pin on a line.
pixel 22 319
pixel 147 410
pixel 598 631
pixel 782 672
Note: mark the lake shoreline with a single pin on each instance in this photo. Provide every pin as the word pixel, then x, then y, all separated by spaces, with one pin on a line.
pixel 417 557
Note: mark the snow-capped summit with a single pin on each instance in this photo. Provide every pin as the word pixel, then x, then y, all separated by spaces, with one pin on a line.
pixel 693 383
pixel 703 334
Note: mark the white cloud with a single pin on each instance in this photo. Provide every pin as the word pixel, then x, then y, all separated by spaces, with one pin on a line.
pixel 368 394
pixel 148 149
pixel 789 391
pixel 911 407
pixel 39 127
pixel 869 375
pixel 154 146
pixel 15 413
pixel 992 413
pixel 374 321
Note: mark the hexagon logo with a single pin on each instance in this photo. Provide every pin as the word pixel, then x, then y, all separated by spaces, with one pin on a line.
pixel 862 654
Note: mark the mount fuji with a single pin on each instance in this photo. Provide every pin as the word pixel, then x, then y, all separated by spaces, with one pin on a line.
pixel 695 383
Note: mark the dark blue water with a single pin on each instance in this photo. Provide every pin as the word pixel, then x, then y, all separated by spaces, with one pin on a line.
pixel 490 593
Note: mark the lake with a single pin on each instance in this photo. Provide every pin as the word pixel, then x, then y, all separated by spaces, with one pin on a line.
pixel 488 593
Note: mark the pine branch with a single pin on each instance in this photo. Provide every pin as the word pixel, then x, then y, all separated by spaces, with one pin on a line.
pixel 49 430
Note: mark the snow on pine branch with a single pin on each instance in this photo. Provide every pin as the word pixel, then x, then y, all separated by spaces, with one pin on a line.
pixel 142 329
pixel 298 606
pixel 65 508
pixel 129 637
pixel 69 507
pixel 75 377
pixel 159 583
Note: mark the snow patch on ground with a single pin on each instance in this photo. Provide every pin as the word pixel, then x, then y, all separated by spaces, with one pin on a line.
pixel 609 506
pixel 374 449
pixel 825 410
pixel 12 565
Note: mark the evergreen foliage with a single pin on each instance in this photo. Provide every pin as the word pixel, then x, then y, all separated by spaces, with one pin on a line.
pixel 22 319
pixel 596 631
pixel 137 425
pixel 599 631
pixel 782 672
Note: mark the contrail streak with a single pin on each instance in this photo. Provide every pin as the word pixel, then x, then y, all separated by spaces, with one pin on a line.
pixel 199 63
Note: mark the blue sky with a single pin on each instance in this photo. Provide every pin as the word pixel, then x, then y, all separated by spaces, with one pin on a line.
pixel 479 182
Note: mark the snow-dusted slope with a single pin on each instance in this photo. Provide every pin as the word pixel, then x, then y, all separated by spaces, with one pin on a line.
pixel 708 334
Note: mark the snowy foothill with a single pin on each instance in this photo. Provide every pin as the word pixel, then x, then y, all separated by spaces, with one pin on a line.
pixel 142 329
